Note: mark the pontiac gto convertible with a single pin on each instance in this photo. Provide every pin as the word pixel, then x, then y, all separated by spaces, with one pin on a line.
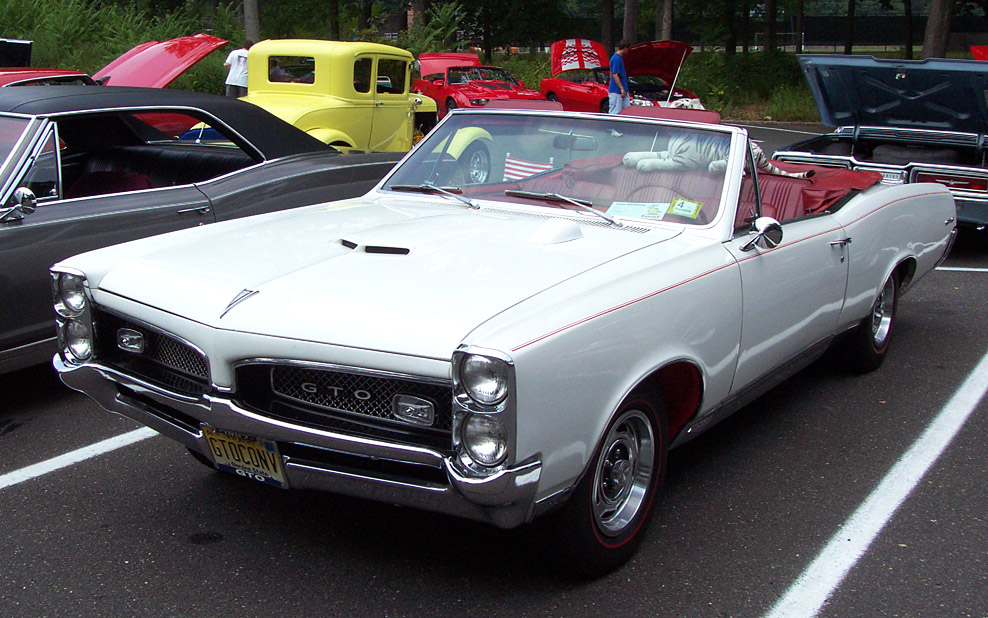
pixel 526 347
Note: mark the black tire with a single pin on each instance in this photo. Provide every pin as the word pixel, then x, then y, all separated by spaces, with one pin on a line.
pixel 476 161
pixel 551 97
pixel 605 106
pixel 450 105
pixel 602 524
pixel 869 342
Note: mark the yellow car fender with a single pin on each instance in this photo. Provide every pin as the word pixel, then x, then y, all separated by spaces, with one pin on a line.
pixel 465 137
pixel 331 136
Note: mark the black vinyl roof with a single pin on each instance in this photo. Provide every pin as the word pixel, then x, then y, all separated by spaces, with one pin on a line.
pixel 268 133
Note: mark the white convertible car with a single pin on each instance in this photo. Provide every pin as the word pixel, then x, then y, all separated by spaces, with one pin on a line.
pixel 530 344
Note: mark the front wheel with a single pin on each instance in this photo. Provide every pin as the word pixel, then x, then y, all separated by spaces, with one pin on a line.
pixel 605 106
pixel 602 524
pixel 869 341
pixel 551 97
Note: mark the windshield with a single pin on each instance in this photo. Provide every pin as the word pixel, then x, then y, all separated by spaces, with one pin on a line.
pixel 10 131
pixel 643 170
pixel 465 75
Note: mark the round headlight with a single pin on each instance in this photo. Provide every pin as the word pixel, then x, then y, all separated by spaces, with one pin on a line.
pixel 485 379
pixel 78 340
pixel 485 439
pixel 71 293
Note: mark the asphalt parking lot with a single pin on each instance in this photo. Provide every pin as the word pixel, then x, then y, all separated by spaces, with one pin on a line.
pixel 833 495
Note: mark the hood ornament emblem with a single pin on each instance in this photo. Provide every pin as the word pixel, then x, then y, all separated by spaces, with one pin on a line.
pixel 241 296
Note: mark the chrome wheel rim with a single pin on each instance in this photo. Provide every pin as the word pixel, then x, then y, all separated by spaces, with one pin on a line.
pixel 624 472
pixel 478 165
pixel 881 314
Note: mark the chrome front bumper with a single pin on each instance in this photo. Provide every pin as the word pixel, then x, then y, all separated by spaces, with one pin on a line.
pixel 505 499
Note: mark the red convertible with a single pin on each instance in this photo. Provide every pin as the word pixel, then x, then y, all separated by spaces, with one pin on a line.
pixel 459 80
pixel 580 74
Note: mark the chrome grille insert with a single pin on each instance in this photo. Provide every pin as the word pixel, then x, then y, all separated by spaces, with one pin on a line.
pixel 347 400
pixel 166 361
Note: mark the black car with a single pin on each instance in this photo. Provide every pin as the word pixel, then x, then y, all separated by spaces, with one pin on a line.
pixel 910 120
pixel 83 168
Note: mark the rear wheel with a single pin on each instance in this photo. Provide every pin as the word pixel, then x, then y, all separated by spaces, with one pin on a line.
pixel 602 524
pixel 869 341
pixel 605 106
pixel 551 97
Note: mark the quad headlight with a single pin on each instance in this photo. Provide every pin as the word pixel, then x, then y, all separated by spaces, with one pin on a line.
pixel 75 330
pixel 479 101
pixel 485 378
pixel 78 340
pixel 70 294
pixel 485 439
pixel 484 410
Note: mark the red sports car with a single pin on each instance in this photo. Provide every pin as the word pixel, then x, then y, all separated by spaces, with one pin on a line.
pixel 153 64
pixel 459 80
pixel 580 74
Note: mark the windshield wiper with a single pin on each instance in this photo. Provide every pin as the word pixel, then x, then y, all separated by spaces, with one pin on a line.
pixel 426 187
pixel 585 205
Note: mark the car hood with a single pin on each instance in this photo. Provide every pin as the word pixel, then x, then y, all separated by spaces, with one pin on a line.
pixel 496 90
pixel 406 277
pixel 933 94
pixel 155 64
pixel 659 58
pixel 430 64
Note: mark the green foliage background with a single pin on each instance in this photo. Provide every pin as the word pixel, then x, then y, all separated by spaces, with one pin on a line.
pixel 87 34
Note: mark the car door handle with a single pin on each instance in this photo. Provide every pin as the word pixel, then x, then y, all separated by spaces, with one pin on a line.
pixel 201 210
pixel 841 243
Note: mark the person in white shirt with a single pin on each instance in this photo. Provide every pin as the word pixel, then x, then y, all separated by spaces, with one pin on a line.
pixel 236 65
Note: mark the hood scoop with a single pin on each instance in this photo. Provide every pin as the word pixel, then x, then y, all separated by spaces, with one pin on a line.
pixel 378 249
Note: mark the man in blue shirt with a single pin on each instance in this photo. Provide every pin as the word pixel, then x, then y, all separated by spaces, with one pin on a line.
pixel 617 86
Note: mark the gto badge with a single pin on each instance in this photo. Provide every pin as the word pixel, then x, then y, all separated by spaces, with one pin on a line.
pixel 414 410
pixel 130 340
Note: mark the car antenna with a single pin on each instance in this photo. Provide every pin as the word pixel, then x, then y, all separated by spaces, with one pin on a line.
pixel 672 88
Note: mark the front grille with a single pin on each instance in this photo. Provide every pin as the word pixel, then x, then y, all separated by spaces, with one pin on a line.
pixel 348 401
pixel 166 361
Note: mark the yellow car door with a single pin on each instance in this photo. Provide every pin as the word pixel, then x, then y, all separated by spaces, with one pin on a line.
pixel 394 113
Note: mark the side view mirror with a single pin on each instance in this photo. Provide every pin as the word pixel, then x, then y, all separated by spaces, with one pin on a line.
pixel 767 234
pixel 25 203
pixel 521 83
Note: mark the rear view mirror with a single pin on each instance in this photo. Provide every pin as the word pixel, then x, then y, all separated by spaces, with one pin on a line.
pixel 583 143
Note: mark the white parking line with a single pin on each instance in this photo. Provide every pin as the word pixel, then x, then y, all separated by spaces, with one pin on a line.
pixel 962 269
pixel 812 589
pixel 74 457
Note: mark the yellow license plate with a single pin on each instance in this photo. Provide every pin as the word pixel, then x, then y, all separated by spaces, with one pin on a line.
pixel 246 456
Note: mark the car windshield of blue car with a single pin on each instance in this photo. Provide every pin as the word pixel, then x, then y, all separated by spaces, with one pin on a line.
pixel 637 169
pixel 11 131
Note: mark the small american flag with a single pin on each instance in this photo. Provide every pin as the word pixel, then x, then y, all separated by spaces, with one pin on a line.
pixel 515 169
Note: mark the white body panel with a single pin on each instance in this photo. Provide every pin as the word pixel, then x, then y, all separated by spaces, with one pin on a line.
pixel 585 312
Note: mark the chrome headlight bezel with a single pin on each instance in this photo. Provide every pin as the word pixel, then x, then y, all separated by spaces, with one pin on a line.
pixel 484 422
pixel 73 304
